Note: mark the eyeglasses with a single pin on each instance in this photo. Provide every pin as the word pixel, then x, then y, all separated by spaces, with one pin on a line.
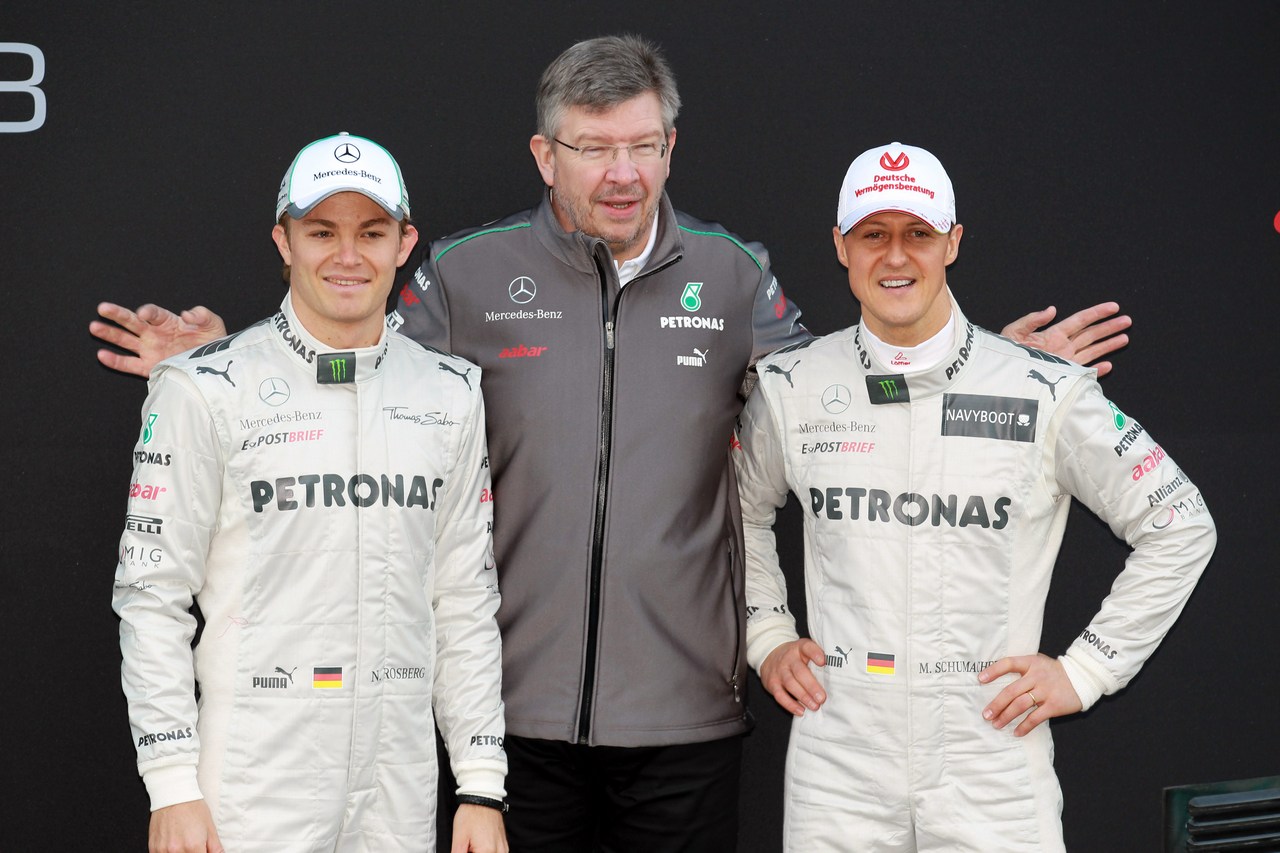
pixel 640 152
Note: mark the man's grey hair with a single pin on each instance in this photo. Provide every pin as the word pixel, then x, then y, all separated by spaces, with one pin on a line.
pixel 601 73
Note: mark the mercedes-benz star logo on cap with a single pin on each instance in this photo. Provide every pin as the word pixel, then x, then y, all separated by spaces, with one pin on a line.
pixel 522 290
pixel 836 399
pixel 273 391
pixel 894 164
pixel 347 153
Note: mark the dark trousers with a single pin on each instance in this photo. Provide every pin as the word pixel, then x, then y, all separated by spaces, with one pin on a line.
pixel 570 798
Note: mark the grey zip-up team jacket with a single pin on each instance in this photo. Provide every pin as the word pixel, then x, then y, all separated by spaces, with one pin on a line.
pixel 610 414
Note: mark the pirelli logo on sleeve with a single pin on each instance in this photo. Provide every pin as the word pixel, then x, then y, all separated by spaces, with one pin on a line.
pixel 980 416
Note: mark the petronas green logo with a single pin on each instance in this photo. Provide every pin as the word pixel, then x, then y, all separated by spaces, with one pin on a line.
pixel 147 432
pixel 1117 416
pixel 691 300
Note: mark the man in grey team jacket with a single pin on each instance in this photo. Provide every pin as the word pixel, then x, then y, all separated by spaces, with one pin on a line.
pixel 616 336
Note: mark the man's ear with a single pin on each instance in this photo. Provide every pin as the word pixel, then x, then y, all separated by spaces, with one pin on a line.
pixel 408 240
pixel 544 157
pixel 953 243
pixel 840 252
pixel 281 236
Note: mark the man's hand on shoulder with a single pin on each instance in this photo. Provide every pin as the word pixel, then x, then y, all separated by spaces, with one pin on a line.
pixel 1084 337
pixel 152 334
pixel 183 828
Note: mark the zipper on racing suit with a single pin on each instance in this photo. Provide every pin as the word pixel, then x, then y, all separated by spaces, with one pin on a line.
pixel 609 314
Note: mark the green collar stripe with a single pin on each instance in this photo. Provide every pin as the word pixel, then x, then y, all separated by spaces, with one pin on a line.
pixel 450 248
pixel 731 239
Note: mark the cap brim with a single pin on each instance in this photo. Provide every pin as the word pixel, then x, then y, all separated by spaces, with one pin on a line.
pixel 299 209
pixel 933 218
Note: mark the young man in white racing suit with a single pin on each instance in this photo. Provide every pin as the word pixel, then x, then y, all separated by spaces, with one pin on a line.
pixel 935 464
pixel 319 486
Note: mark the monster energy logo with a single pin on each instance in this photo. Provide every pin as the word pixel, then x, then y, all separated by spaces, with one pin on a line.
pixel 1117 416
pixel 690 299
pixel 888 389
pixel 335 368
pixel 147 432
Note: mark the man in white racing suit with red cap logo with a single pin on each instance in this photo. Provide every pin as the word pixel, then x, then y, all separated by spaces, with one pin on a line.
pixel 319 486
pixel 935 464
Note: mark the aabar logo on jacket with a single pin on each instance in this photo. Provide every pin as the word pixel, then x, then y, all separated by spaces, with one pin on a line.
pixel 522 351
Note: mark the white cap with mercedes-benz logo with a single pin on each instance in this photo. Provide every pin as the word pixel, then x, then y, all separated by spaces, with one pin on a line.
pixel 342 163
pixel 897 177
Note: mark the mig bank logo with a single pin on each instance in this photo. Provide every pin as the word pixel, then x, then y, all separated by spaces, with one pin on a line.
pixel 147 432
pixel 888 389
pixel 336 368
pixel 690 300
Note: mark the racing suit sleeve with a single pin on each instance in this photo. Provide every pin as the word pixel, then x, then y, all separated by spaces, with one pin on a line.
pixel 1110 464
pixel 775 320
pixel 468 671
pixel 173 506
pixel 762 488
pixel 422 309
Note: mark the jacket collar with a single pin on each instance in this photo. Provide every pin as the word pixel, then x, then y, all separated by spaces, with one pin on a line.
pixel 329 366
pixel 885 385
pixel 581 251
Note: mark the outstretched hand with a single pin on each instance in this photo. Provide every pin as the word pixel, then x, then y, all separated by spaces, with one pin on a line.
pixel 1043 689
pixel 152 334
pixel 786 675
pixel 1083 337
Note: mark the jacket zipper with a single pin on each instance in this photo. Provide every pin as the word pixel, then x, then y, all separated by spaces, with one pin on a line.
pixel 608 317
pixel 737 631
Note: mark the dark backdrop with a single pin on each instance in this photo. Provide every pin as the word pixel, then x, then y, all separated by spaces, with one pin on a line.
pixel 1099 150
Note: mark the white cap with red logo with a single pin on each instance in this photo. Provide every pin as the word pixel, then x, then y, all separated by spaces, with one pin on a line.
pixel 897 177
pixel 342 163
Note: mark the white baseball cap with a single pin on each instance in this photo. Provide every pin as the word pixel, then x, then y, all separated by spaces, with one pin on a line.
pixel 342 163
pixel 897 177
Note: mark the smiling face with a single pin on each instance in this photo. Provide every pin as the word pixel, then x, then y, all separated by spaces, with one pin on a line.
pixel 343 256
pixel 898 273
pixel 614 201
